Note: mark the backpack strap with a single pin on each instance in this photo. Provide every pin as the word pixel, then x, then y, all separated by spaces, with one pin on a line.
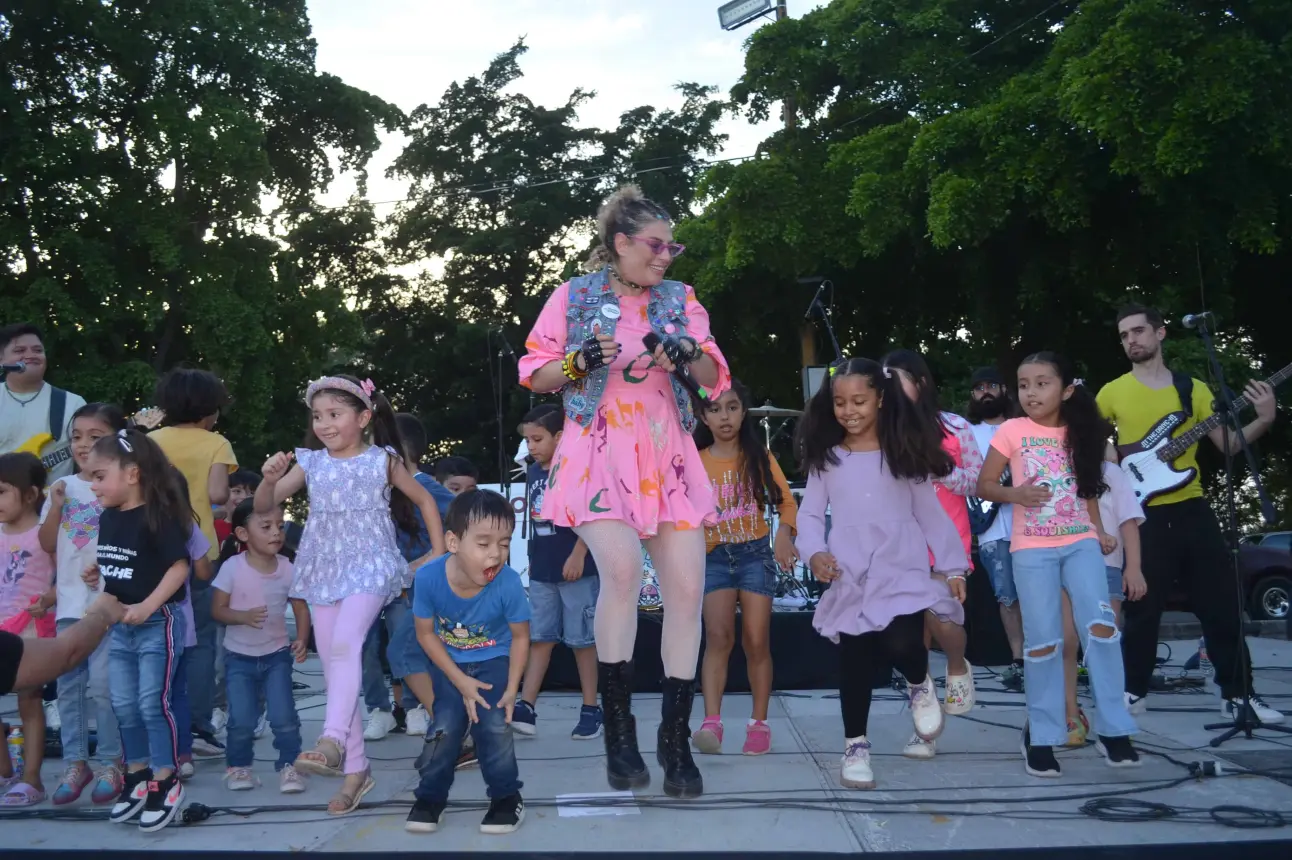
pixel 57 412
pixel 1183 383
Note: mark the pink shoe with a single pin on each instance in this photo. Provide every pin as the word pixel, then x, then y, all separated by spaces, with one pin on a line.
pixel 758 739
pixel 708 738
pixel 75 779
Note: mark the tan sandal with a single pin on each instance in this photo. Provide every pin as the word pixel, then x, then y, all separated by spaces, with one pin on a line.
pixel 326 759
pixel 343 803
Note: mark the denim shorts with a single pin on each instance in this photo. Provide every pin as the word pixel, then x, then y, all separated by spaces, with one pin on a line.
pixel 564 611
pixel 404 653
pixel 743 566
pixel 1000 569
pixel 1115 589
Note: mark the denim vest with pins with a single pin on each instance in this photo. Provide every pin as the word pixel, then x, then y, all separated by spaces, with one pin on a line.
pixel 588 296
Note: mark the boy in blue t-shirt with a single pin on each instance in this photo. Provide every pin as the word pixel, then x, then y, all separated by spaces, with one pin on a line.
pixel 472 620
pixel 563 588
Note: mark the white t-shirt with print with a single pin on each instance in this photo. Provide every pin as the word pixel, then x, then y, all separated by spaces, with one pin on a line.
pixel 74 551
pixel 22 420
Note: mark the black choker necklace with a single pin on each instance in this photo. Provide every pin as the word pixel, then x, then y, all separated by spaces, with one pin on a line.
pixel 627 283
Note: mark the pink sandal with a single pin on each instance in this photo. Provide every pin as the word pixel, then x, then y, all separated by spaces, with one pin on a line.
pixel 22 794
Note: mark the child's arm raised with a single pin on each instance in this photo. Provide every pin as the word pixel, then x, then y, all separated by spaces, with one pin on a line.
pixel 407 484
pixel 281 479
pixel 51 518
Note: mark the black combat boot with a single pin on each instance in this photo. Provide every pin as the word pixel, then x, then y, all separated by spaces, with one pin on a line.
pixel 681 776
pixel 624 766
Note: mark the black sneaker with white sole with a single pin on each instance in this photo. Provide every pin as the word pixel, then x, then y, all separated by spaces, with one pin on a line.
pixel 134 794
pixel 164 799
pixel 504 816
pixel 425 817
pixel 206 745
pixel 1118 751
pixel 1039 761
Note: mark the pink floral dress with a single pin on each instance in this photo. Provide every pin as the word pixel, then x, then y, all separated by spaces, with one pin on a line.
pixel 634 463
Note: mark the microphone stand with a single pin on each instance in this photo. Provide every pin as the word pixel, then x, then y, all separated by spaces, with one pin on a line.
pixel 825 317
pixel 499 393
pixel 1245 721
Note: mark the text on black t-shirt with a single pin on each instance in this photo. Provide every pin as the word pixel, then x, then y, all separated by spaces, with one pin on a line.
pixel 132 560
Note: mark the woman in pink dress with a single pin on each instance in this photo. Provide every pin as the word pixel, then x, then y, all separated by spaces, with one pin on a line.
pixel 626 471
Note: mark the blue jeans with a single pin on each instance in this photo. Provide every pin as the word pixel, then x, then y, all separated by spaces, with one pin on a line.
pixel 83 686
pixel 376 695
pixel 250 678
pixel 202 660
pixel 493 738
pixel 999 562
pixel 741 566
pixel 1040 576
pixel 141 671
pixel 179 702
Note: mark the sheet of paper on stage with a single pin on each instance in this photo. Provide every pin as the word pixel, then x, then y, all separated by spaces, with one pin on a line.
pixel 567 804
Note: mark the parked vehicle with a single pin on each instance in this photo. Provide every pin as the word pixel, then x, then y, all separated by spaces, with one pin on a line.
pixel 1266 569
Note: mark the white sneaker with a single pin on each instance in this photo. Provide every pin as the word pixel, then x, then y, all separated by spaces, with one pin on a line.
pixel 240 779
pixel 1136 704
pixel 417 721
pixel 380 724
pixel 53 722
pixel 920 749
pixel 219 719
pixel 1264 713
pixel 262 727
pixel 290 781
pixel 926 711
pixel 855 771
pixel 960 692
pixel 186 771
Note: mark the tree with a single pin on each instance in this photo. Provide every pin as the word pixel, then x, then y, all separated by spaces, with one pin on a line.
pixel 502 195
pixel 139 144
pixel 986 179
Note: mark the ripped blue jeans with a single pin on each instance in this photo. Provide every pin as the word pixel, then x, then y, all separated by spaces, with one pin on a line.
pixel 1040 575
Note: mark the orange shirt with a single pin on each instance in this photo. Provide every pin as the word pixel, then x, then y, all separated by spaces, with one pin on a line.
pixel 740 518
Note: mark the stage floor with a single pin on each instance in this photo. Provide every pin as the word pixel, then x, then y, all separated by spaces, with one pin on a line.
pixel 974 795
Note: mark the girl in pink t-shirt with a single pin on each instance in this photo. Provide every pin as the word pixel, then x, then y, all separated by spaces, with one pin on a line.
pixel 1055 455
pixel 27 596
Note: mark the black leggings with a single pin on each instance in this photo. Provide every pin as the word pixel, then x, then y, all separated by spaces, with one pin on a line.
pixel 902 641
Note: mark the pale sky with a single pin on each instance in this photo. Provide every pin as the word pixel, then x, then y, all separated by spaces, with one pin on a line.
pixel 408 51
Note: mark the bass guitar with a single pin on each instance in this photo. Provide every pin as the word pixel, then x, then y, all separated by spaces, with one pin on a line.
pixel 1149 463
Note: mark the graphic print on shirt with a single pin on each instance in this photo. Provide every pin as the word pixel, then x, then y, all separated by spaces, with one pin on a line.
pixel 463 637
pixel 15 569
pixel 736 507
pixel 1046 464
pixel 80 521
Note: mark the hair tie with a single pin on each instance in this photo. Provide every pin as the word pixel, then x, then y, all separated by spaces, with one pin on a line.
pixel 833 370
pixel 888 373
pixel 124 441
pixel 1078 381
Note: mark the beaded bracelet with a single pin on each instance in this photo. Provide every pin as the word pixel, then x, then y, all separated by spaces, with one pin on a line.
pixel 570 369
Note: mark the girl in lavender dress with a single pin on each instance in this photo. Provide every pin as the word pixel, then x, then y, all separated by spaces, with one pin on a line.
pixel 348 566
pixel 870 457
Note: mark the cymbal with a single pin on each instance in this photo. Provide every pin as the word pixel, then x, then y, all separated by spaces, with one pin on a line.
pixel 767 410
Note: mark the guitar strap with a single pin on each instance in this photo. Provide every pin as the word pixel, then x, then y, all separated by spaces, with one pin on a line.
pixel 1184 389
pixel 57 412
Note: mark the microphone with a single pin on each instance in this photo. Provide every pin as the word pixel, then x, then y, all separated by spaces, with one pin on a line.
pixel 16 367
pixel 505 349
pixel 816 299
pixel 674 352
pixel 1192 321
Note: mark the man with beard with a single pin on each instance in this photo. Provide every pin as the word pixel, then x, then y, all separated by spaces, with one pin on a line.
pixel 1181 538
pixel 990 404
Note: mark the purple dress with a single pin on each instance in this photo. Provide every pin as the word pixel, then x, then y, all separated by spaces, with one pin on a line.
pixel 349 542
pixel 881 532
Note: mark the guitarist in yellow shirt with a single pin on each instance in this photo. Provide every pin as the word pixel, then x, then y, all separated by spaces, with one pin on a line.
pixel 1160 417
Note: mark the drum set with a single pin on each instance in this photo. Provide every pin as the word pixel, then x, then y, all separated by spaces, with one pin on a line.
pixel 796 589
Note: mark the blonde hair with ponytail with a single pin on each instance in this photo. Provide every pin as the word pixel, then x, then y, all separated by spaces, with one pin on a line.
pixel 627 211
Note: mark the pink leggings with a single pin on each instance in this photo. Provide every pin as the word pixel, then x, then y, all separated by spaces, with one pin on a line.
pixel 339 631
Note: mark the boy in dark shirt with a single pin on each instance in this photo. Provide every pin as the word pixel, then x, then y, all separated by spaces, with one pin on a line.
pixel 563 588
pixel 472 621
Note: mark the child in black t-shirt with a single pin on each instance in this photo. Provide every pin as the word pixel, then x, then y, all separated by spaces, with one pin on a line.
pixel 563 588
pixel 143 561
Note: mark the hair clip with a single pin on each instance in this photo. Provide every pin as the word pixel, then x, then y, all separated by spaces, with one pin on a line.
pixel 368 387
pixel 888 373
pixel 834 370
pixel 1078 381
pixel 124 441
